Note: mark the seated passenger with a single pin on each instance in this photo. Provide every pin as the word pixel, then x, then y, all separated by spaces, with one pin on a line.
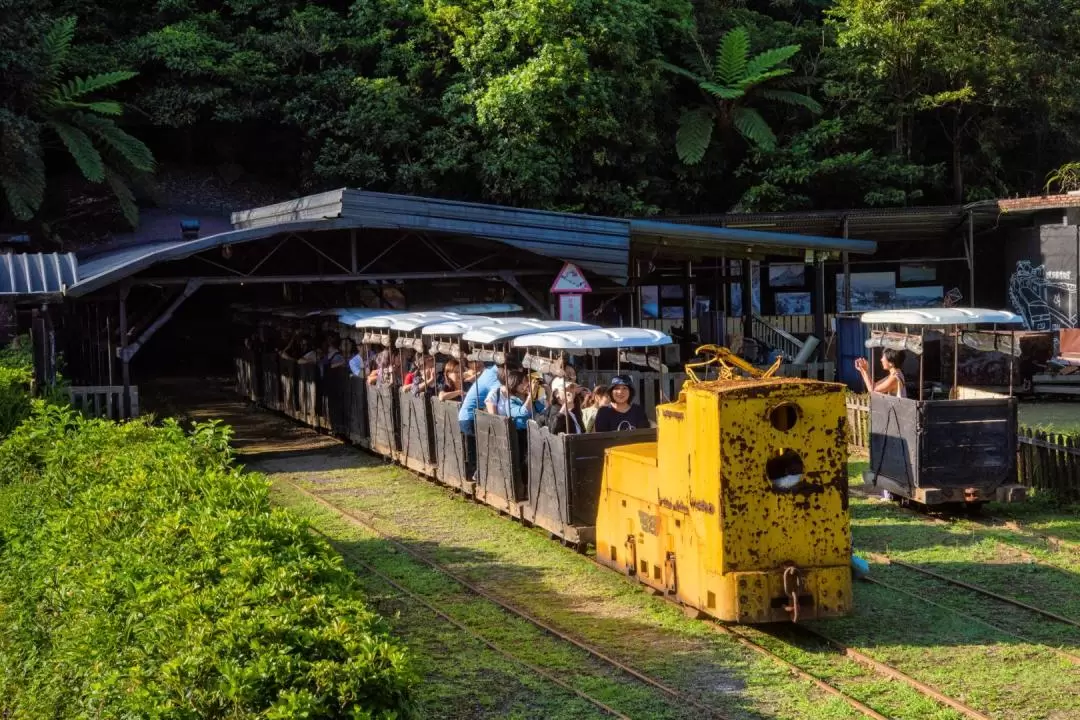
pixel 333 358
pixel 451 388
pixel 893 383
pixel 600 397
pixel 387 365
pixel 356 360
pixel 568 418
pixel 621 414
pixel 487 379
pixel 422 380
pixel 307 354
pixel 514 399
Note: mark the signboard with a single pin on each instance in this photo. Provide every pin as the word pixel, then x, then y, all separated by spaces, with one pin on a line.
pixel 570 280
pixel 570 308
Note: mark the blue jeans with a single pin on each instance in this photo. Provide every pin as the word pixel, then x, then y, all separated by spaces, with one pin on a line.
pixel 469 431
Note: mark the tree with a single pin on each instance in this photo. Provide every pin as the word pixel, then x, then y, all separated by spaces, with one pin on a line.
pixel 65 108
pixel 731 86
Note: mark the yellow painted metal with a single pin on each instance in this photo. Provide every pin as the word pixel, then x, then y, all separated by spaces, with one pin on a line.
pixel 726 362
pixel 747 478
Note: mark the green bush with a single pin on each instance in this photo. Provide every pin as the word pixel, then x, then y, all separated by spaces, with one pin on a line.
pixel 16 372
pixel 143 576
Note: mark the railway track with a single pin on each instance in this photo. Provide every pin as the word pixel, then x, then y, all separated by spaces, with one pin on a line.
pixel 734 632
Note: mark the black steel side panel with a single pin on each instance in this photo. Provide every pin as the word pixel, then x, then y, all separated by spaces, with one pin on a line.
pixel 417 439
pixel 565 474
pixel 500 475
pixel 382 401
pixel 289 390
pixel 894 447
pixel 307 394
pixel 357 410
pixel 449 442
pixel 335 400
pixel 271 382
pixel 970 443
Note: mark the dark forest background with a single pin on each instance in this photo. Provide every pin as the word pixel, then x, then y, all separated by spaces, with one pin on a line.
pixel 618 107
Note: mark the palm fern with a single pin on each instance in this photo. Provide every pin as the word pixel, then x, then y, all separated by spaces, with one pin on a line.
pixel 86 127
pixel 732 82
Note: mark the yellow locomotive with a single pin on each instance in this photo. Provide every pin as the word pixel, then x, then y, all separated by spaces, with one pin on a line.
pixel 740 508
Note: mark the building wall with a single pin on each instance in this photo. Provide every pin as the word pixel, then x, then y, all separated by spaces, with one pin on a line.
pixel 1044 264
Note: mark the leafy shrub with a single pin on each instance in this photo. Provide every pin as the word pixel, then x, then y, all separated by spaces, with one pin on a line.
pixel 142 575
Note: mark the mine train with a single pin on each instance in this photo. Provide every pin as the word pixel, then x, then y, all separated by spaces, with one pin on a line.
pixel 734 503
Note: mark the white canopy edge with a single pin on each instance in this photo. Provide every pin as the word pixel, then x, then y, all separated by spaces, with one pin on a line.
pixel 594 339
pixel 941 316
pixel 488 334
pixel 458 327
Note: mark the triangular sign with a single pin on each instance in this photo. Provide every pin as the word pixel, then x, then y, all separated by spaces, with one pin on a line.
pixel 570 280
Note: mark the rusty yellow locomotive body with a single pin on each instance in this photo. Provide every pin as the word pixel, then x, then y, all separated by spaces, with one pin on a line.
pixel 740 508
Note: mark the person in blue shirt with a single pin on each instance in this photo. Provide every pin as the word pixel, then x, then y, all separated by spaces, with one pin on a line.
pixel 514 399
pixel 485 382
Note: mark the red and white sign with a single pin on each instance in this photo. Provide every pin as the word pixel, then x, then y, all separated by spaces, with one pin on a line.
pixel 570 308
pixel 570 280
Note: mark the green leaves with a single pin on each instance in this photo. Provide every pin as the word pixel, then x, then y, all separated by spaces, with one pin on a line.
pixel 81 149
pixel 753 127
pixel 695 132
pixel 731 57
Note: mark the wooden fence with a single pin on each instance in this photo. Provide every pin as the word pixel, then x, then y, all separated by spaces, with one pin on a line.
pixel 1045 461
pixel 104 401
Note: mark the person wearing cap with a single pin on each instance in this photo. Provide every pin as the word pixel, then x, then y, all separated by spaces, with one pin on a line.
pixel 621 414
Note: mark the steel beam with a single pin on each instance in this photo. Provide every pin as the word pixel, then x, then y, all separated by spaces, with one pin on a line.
pixel 359 277
pixel 128 351
pixel 510 278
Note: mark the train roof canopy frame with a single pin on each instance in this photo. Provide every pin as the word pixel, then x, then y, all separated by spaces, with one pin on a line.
pixel 490 334
pixel 594 339
pixel 941 316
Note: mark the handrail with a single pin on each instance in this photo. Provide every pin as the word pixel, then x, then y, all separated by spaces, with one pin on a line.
pixel 777 337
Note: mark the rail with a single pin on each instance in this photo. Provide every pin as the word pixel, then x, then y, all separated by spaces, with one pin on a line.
pixel 104 401
pixel 776 337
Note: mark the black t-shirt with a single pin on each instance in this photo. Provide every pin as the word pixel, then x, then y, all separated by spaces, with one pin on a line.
pixel 608 419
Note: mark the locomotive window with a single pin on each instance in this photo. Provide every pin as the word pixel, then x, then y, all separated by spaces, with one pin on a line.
pixel 785 470
pixel 784 416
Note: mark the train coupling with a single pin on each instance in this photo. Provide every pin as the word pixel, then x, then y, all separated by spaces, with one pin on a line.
pixel 1011 493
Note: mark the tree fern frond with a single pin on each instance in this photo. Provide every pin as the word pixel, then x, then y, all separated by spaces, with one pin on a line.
pixel 21 206
pixel 55 46
pixel 124 196
pixel 82 149
pixel 789 97
pixel 751 80
pixel 79 87
pixel 680 71
pixel 731 55
pixel 23 174
pixel 722 91
pixel 771 58
pixel 128 146
pixel 754 128
pixel 694 135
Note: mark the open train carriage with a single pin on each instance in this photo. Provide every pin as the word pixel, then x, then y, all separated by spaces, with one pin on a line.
pixel 380 399
pixel 417 428
pixel 565 470
pixel 501 474
pixel 937 451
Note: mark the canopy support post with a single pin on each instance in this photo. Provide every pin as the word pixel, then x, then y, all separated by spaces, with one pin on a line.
pixel 969 251
pixel 819 304
pixel 687 350
pixel 747 289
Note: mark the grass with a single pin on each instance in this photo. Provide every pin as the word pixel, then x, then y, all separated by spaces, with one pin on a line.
pixel 1054 416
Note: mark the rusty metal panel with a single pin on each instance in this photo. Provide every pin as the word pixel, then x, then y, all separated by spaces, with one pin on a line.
pixel 894 439
pixel 500 472
pixel 967 442
pixel 307 395
pixel 289 390
pixel 271 382
pixel 336 403
pixel 357 410
pixel 449 444
pixel 417 439
pixel 382 405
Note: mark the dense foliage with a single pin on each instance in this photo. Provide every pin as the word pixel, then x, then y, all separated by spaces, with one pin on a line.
pixel 570 104
pixel 141 575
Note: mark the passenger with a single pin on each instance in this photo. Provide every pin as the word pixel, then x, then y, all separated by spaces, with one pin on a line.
pixel 621 414
pixel 569 419
pixel 514 399
pixel 485 380
pixel 333 357
pixel 422 380
pixel 893 383
pixel 600 397
pixel 357 366
pixel 451 386
pixel 387 364
pixel 307 354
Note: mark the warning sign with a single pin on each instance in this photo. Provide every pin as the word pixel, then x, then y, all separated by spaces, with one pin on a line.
pixel 570 280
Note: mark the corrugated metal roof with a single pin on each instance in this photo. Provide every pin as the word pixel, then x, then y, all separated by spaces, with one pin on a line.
pixel 37 273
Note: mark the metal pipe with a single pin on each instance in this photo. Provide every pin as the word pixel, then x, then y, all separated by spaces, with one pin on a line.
pixel 922 356
pixel 971 256
pixel 231 280
pixel 955 363
pixel 125 365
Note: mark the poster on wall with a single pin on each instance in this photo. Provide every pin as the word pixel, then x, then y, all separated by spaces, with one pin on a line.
pixel 920 297
pixel 917 273
pixel 785 275
pixel 869 291
pixel 796 303
pixel 650 301
pixel 1042 287
pixel 736 288
pixel 671 297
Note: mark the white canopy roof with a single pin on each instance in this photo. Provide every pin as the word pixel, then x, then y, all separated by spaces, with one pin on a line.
pixel 352 316
pixel 594 339
pixel 410 322
pixel 488 334
pixel 941 316
pixel 454 328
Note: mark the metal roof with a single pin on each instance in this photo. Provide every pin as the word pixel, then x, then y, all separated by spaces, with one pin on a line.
pixel 37 273
pixel 599 245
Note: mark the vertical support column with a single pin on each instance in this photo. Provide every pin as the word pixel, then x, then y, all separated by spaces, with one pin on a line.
pixel 44 348
pixel 687 349
pixel 847 274
pixel 125 361
pixel 747 287
pixel 352 251
pixel 819 304
pixel 970 246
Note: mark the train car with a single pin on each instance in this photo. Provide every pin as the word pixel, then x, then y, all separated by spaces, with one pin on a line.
pixel 956 450
pixel 739 509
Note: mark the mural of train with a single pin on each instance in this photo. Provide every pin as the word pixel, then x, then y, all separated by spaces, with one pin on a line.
pixel 731 502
